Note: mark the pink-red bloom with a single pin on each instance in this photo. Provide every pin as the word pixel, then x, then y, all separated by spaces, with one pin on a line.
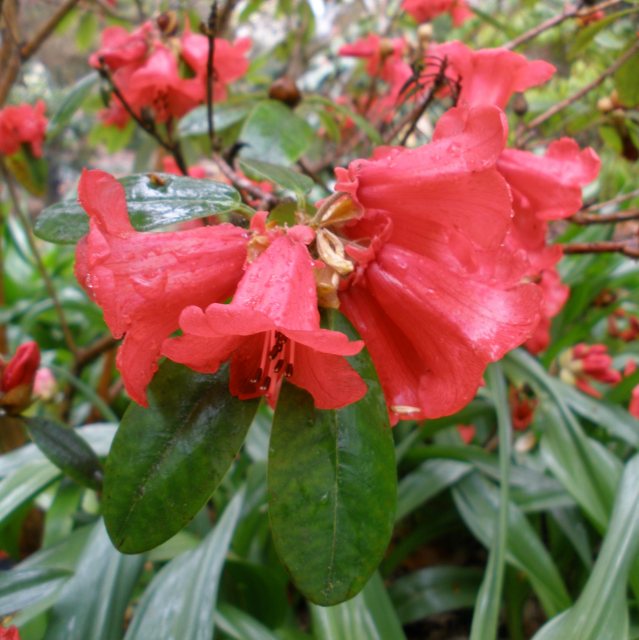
pixel 143 281
pixel 17 377
pixel 23 124
pixel 522 408
pixel 9 633
pixel 270 332
pixel 435 295
pixel 634 402
pixel 230 62
pixel 119 48
pixel 584 364
pixel 487 76
pixel 424 10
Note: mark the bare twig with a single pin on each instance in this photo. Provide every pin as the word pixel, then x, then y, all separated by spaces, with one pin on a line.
pixel 571 11
pixel 48 283
pixel 9 53
pixel 584 218
pixel 210 30
pixel 622 197
pixel 605 246
pixel 268 199
pixel 560 106
pixel 225 16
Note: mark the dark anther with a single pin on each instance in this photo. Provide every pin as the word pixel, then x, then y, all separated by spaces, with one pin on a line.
pixel 275 350
pixel 278 366
pixel 266 384
pixel 256 378
pixel 289 370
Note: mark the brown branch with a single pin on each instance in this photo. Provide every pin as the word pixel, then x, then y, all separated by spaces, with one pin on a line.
pixel 616 200
pixel 268 199
pixel 582 217
pixel 27 50
pixel 571 11
pixel 560 106
pixel 93 351
pixel 210 30
pixel 225 16
pixel 9 53
pixel 605 246
pixel 48 283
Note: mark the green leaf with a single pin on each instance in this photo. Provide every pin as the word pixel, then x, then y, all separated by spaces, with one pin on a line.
pixel 167 460
pixel 435 590
pixel 22 588
pixel 70 104
pixel 153 200
pixel 486 614
pixel 29 171
pixel 67 450
pixel 86 30
pixel 24 484
pixel 601 612
pixel 332 488
pixel 273 133
pixel 238 625
pixel 92 603
pixel 180 601
pixel 282 176
pixel 627 82
pixel 225 115
pixel 368 616
pixel 477 501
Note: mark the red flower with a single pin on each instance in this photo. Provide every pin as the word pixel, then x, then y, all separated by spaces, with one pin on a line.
pixel 143 281
pixel 22 124
pixel 384 55
pixel 436 295
pixel 423 10
pixel 230 61
pixel 17 377
pixel 169 165
pixel 634 402
pixel 157 85
pixel 9 633
pixel 270 331
pixel 487 76
pixel 584 364
pixel 119 48
pixel 466 432
pixel 522 408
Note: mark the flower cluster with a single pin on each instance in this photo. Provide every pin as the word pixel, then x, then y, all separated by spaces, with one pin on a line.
pixel 161 76
pixel 23 125
pixel 17 377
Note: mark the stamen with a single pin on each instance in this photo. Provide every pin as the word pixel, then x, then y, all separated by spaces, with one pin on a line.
pixel 257 377
pixel 278 366
pixel 266 384
pixel 289 370
pixel 275 350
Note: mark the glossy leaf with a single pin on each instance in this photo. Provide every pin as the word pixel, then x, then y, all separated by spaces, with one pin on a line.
pixel 237 624
pixel 600 612
pixel 70 104
pixel 180 601
pixel 167 460
pixel 67 450
pixel 282 176
pixel 332 489
pixel 369 615
pixel 273 133
pixel 153 199
pixel 435 590
pixel 22 588
pixel 225 115
pixel 109 577
pixel 24 484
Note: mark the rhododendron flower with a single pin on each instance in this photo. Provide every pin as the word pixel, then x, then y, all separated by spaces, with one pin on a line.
pixel 270 331
pixel 487 76
pixel 229 63
pixel 584 364
pixel 435 294
pixel 423 10
pixel 157 85
pixel 119 48
pixel 17 377
pixel 630 323
pixel 522 408
pixel 143 281
pixel 169 165
pixel 44 384
pixel 466 432
pixel 22 124
pixel 9 633
pixel 634 402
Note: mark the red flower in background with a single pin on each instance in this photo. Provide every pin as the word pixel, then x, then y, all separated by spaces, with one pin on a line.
pixel 633 408
pixel 143 281
pixel 119 48
pixel 23 124
pixel 9 633
pixel 584 364
pixel 17 377
pixel 270 331
pixel 230 62
pixel 487 76
pixel 436 295
pixel 424 10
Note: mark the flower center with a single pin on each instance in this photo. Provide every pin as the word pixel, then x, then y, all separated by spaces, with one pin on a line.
pixel 276 363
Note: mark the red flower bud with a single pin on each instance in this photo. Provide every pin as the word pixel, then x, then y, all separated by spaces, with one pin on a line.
pixel 17 379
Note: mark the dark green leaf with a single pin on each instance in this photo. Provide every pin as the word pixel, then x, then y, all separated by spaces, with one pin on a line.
pixel 332 488
pixel 167 460
pixel 273 133
pixel 225 115
pixel 105 575
pixel 154 200
pixel 179 604
pixel 435 590
pixel 627 82
pixel 282 176
pixel 70 104
pixel 22 588
pixel 67 450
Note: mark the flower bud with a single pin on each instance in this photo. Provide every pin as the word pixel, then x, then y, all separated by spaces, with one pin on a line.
pixel 167 23
pixel 18 375
pixel 520 104
pixel 285 90
pixel 425 34
pixel 605 104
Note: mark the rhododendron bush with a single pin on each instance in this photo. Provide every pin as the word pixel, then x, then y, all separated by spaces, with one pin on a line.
pixel 320 320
